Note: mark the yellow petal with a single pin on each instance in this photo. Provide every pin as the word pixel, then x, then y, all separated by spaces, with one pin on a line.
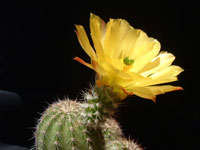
pixel 143 92
pixel 152 48
pixel 117 77
pixel 170 71
pixel 160 62
pixel 116 31
pixel 97 28
pixel 156 90
pixel 150 81
pixel 114 73
pixel 166 75
pixel 129 42
pixel 150 67
pixel 116 63
pixel 83 40
pixel 150 92
pixel 98 68
pixel 143 45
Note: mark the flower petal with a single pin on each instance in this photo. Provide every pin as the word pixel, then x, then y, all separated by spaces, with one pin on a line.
pixel 83 62
pixel 129 42
pixel 160 62
pixel 171 71
pixel 97 28
pixel 84 41
pixel 152 48
pixel 116 31
pixel 148 81
pixel 166 75
pixel 98 68
pixel 115 75
pixel 143 92
pixel 156 90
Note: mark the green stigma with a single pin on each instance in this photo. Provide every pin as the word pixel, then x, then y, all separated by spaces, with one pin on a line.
pixel 128 61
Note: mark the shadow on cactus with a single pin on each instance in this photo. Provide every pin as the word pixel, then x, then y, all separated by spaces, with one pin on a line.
pixel 127 62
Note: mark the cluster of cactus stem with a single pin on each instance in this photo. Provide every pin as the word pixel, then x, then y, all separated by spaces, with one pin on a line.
pixel 88 125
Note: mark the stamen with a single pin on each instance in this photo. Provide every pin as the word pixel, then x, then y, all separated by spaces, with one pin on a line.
pixel 127 61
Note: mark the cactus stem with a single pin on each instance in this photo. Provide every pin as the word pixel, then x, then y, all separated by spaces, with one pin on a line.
pixel 69 125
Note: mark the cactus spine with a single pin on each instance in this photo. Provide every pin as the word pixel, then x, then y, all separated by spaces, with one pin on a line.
pixel 71 125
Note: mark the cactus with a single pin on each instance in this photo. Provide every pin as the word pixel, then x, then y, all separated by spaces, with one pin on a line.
pixel 64 127
pixel 114 137
pixel 61 128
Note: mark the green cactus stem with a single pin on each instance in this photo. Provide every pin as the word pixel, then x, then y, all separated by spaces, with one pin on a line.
pixel 71 125
pixel 101 103
pixel 114 137
pixel 61 128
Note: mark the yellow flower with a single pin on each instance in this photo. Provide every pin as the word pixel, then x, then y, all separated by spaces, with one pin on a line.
pixel 127 59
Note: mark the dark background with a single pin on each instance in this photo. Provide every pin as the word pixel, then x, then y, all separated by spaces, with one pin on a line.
pixel 38 42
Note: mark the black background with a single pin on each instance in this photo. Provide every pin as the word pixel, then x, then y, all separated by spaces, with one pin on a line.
pixel 38 42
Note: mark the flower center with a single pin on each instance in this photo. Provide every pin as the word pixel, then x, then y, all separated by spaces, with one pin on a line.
pixel 127 61
pixel 128 64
